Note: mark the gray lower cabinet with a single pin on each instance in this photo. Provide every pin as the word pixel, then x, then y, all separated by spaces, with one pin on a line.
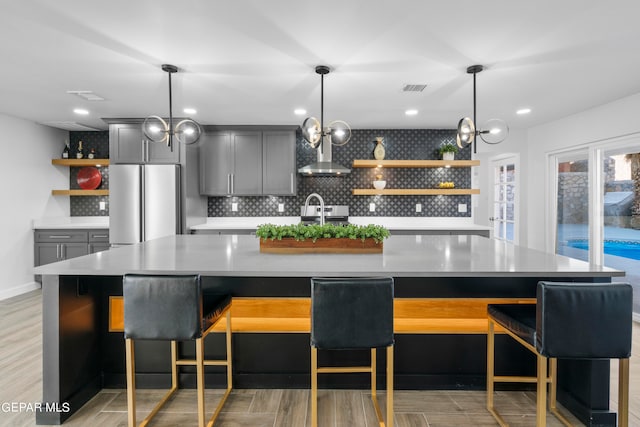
pixel 98 240
pixel 127 144
pixel 242 162
pixel 52 245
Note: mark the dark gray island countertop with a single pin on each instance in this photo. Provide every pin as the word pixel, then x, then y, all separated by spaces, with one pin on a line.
pixel 443 284
pixel 409 256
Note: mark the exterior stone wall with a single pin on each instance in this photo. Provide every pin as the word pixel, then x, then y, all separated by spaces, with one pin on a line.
pixel 573 197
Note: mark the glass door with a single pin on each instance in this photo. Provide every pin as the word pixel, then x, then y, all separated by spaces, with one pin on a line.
pixel 572 209
pixel 505 199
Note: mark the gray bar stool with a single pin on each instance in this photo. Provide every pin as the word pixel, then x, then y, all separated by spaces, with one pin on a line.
pixel 569 321
pixel 173 308
pixel 352 313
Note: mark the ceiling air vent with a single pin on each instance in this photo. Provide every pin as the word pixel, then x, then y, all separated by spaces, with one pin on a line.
pixel 413 88
pixel 86 94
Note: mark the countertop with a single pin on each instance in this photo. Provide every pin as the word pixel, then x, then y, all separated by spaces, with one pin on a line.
pixel 71 222
pixel 403 256
pixel 392 223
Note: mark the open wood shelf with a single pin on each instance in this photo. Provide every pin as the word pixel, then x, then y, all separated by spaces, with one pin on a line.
pixel 415 191
pixel 414 163
pixel 80 192
pixel 291 315
pixel 80 162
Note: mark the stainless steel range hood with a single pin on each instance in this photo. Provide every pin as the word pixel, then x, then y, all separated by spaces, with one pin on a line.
pixel 325 166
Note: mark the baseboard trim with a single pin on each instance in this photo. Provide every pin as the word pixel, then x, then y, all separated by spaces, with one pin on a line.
pixel 19 290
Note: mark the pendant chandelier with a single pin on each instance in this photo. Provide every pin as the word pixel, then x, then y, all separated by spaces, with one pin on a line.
pixel 314 131
pixel 156 129
pixel 494 131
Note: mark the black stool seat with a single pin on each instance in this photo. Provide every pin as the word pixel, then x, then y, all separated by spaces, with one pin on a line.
pixel 213 307
pixel 569 321
pixel 352 313
pixel 173 308
pixel 517 318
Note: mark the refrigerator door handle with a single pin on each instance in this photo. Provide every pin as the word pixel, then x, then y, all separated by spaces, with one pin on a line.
pixel 143 208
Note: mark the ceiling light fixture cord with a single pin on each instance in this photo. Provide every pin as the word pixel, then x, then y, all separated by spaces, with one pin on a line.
pixel 321 111
pixel 474 109
pixel 171 113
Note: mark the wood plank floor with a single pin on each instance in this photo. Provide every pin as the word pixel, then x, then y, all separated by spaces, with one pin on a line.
pixel 21 372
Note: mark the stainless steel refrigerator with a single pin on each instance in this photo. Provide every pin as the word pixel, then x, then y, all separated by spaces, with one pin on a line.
pixel 144 202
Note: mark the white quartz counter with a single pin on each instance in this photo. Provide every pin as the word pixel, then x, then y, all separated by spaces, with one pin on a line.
pixel 392 223
pixel 403 256
pixel 71 222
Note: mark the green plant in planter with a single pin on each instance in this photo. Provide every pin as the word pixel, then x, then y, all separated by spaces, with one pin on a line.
pixel 448 147
pixel 327 231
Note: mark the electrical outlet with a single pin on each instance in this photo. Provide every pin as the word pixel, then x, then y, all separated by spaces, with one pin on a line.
pixel 462 207
pixel 234 207
pixel 102 206
pixel 280 207
pixel 372 207
pixel 418 207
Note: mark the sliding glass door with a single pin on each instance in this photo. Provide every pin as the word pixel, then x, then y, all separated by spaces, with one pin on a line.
pixel 572 211
pixel 597 209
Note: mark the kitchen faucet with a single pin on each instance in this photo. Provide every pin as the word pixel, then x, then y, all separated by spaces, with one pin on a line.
pixel 317 196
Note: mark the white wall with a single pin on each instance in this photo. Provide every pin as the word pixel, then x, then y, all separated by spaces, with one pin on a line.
pixel 26 180
pixel 608 121
pixel 516 143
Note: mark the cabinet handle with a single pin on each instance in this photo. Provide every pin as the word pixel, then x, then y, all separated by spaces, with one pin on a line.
pixel 232 183
pixel 144 156
pixel 53 236
pixel 57 251
pixel 229 183
pixel 63 251
pixel 146 159
pixel 291 182
pixel 99 236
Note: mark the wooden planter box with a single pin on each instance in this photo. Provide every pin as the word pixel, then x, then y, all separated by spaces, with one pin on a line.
pixel 321 246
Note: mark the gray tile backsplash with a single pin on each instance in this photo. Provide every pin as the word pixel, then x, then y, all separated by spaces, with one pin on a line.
pixel 399 144
pixel 89 205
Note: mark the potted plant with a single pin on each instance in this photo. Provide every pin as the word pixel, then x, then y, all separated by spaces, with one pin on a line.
pixel 328 238
pixel 448 151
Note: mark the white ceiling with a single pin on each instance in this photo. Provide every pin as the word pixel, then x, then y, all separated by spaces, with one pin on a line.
pixel 252 62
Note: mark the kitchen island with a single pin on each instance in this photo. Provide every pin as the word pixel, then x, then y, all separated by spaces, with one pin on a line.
pixel 442 286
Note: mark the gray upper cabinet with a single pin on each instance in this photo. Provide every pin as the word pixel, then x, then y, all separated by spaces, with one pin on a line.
pixel 129 145
pixel 215 163
pixel 279 163
pixel 246 178
pixel 247 162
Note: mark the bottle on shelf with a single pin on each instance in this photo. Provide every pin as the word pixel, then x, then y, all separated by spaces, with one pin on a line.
pixel 92 153
pixel 79 153
pixel 65 151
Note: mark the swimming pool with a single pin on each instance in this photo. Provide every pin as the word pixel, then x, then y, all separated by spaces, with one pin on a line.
pixel 621 248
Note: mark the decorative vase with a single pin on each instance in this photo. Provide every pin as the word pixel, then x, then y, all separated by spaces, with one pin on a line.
pixel 378 152
pixel 448 155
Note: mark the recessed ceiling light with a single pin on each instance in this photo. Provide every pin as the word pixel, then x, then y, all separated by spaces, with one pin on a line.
pixel 523 111
pixel 190 111
pixel 299 111
pixel 411 112
pixel 81 111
